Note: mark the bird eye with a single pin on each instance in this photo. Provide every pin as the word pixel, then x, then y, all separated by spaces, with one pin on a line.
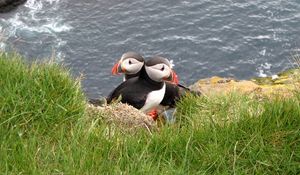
pixel 129 62
pixel 163 68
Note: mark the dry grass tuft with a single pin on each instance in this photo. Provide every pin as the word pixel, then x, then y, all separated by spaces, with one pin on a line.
pixel 123 116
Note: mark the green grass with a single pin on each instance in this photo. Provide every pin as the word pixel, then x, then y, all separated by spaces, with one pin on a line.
pixel 44 130
pixel 241 135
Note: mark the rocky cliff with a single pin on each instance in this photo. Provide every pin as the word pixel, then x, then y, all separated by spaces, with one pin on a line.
pixel 282 84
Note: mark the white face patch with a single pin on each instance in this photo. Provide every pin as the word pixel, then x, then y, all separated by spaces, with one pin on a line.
pixel 153 99
pixel 158 72
pixel 131 65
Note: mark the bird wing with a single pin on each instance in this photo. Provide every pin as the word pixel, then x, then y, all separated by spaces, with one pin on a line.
pixel 131 91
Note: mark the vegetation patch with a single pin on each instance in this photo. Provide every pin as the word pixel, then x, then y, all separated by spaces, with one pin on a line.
pixel 37 97
pixel 46 127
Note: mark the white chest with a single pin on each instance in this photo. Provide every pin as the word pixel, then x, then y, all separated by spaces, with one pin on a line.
pixel 153 99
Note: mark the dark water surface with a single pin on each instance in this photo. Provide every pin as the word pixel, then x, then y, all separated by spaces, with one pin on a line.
pixel 204 38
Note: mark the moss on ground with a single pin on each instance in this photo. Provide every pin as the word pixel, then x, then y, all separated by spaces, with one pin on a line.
pixel 283 84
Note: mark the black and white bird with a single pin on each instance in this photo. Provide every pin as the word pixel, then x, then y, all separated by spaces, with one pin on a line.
pixel 174 91
pixel 147 90
pixel 130 65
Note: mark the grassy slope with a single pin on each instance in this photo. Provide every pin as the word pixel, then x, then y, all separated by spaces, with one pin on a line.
pixel 43 130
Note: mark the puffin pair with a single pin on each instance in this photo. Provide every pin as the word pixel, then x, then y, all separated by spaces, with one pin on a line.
pixel 147 84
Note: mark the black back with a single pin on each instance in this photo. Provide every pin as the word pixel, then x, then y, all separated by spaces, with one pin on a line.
pixel 134 91
pixel 173 94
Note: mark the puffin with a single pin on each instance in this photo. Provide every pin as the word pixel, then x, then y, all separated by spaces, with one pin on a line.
pixel 146 90
pixel 174 90
pixel 130 64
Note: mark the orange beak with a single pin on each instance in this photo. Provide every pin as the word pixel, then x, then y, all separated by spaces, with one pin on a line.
pixel 175 79
pixel 115 69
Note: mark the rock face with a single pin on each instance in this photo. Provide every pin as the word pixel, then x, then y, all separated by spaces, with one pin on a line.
pixel 282 84
pixel 8 5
